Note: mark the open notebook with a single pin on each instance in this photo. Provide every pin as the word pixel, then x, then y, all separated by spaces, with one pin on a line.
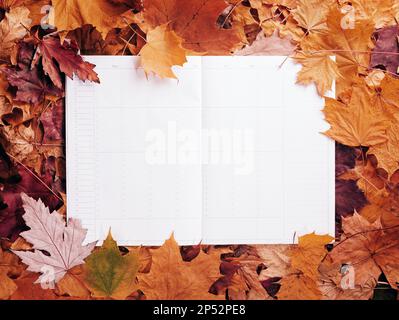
pixel 230 153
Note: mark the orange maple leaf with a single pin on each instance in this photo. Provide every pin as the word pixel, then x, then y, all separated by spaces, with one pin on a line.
pixel 162 51
pixel 301 281
pixel 356 124
pixel 171 278
pixel 370 248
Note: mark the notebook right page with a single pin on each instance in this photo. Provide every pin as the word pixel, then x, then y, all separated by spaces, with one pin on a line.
pixel 268 172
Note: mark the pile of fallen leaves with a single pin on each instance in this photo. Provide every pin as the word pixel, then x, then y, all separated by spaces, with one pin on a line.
pixel 42 257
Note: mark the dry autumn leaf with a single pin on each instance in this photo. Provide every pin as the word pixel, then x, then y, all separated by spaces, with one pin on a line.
pixel 102 14
pixel 30 82
pixel 162 51
pixel 109 274
pixel 48 232
pixel 350 41
pixel 195 22
pixel 28 289
pixel 356 124
pixel 380 12
pixel 263 46
pixel 309 252
pixel 7 285
pixel 12 28
pixel 319 68
pixel 388 153
pixel 315 29
pixel 73 284
pixel 310 19
pixel 170 278
pixel 301 281
pixel 390 91
pixel 50 49
pixel 369 248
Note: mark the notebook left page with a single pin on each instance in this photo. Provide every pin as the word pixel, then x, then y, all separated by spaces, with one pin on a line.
pixel 132 153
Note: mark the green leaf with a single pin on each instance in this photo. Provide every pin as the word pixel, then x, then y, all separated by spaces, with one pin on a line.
pixel 109 274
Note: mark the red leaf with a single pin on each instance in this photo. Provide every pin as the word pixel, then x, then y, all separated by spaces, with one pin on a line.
pixel 56 57
pixel 31 84
pixel 13 181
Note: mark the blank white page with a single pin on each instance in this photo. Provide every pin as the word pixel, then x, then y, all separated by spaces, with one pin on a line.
pixel 282 184
pixel 111 183
pixel 229 153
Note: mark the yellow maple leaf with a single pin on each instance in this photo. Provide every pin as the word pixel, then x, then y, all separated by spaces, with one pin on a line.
pixel 390 91
pixel 162 51
pixel 171 278
pixel 318 68
pixel 356 124
pixel 349 41
pixel 388 153
pixel 309 252
pixel 301 281
pixel 309 18
pixel 380 12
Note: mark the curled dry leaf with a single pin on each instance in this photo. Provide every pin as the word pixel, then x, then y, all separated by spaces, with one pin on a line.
pixel 276 260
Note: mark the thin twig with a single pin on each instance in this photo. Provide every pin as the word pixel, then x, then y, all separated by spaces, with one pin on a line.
pixel 35 176
pixel 138 34
pixel 230 13
pixel 361 233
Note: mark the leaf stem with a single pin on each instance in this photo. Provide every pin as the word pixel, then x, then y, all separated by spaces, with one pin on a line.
pixel 35 176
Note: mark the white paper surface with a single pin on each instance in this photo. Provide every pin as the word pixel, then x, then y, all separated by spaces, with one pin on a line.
pixel 230 153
